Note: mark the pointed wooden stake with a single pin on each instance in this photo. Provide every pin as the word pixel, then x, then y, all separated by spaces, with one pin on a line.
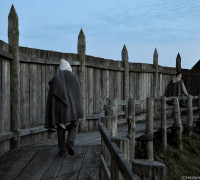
pixel 126 78
pixel 178 63
pixel 81 58
pixel 13 40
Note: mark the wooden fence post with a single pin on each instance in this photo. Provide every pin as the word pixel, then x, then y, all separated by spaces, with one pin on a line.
pixel 110 123
pixel 149 127
pixel 81 57
pixel 126 78
pixel 123 145
pixel 189 115
pixel 147 169
pixel 178 63
pixel 177 127
pixel 111 110
pixel 163 124
pixel 131 127
pixel 13 41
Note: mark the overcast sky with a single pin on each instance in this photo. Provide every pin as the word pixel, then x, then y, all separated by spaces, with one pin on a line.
pixel 171 26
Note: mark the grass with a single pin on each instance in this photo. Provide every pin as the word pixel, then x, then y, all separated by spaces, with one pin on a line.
pixel 182 163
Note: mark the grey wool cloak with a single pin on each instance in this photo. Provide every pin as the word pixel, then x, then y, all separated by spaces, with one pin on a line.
pixel 177 88
pixel 64 99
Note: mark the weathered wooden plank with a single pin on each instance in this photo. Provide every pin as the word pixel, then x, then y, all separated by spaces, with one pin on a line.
pixel 6 136
pixel 71 165
pixel 84 139
pixel 6 95
pixel 108 84
pixel 103 86
pixel 39 164
pixel 111 79
pixel 96 97
pixel 24 96
pixel 14 161
pixel 86 92
pixel 39 112
pixel 90 165
pixel 38 129
pixel 115 87
pixel 54 168
pixel 43 93
pixel 36 137
pixel 90 94
pixel 33 95
pixel 6 55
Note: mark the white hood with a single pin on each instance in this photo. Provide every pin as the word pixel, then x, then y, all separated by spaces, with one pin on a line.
pixel 64 65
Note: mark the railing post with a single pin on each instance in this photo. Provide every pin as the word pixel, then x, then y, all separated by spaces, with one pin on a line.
pixel 149 127
pixel 13 41
pixel 147 169
pixel 163 124
pixel 177 127
pixel 123 145
pixel 81 57
pixel 111 126
pixel 189 114
pixel 131 127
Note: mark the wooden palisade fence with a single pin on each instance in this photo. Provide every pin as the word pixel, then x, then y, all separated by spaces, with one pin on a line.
pixel 25 73
pixel 118 153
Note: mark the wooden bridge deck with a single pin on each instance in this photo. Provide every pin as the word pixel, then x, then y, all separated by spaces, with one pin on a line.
pixel 41 161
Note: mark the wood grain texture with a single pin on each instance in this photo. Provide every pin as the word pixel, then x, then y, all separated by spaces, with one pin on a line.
pixel 14 162
pixel 25 96
pixel 71 165
pixel 39 165
pixel 5 88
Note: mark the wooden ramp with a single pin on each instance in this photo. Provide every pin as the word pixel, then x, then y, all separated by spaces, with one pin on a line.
pixel 42 161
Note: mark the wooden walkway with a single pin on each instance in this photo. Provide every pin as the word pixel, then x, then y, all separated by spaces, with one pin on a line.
pixel 42 161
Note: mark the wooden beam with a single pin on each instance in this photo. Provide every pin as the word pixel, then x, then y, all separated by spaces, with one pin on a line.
pixel 6 55
pixel 6 136
pixel 34 130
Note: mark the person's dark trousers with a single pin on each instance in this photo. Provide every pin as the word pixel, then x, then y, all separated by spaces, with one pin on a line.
pixel 71 133
pixel 70 138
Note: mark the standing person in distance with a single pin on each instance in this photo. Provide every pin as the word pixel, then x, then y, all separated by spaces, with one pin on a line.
pixel 176 87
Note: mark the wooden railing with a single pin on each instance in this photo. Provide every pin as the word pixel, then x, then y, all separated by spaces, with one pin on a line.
pixel 118 153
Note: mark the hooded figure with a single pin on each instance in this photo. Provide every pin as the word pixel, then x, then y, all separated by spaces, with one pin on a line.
pixel 177 88
pixel 64 107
